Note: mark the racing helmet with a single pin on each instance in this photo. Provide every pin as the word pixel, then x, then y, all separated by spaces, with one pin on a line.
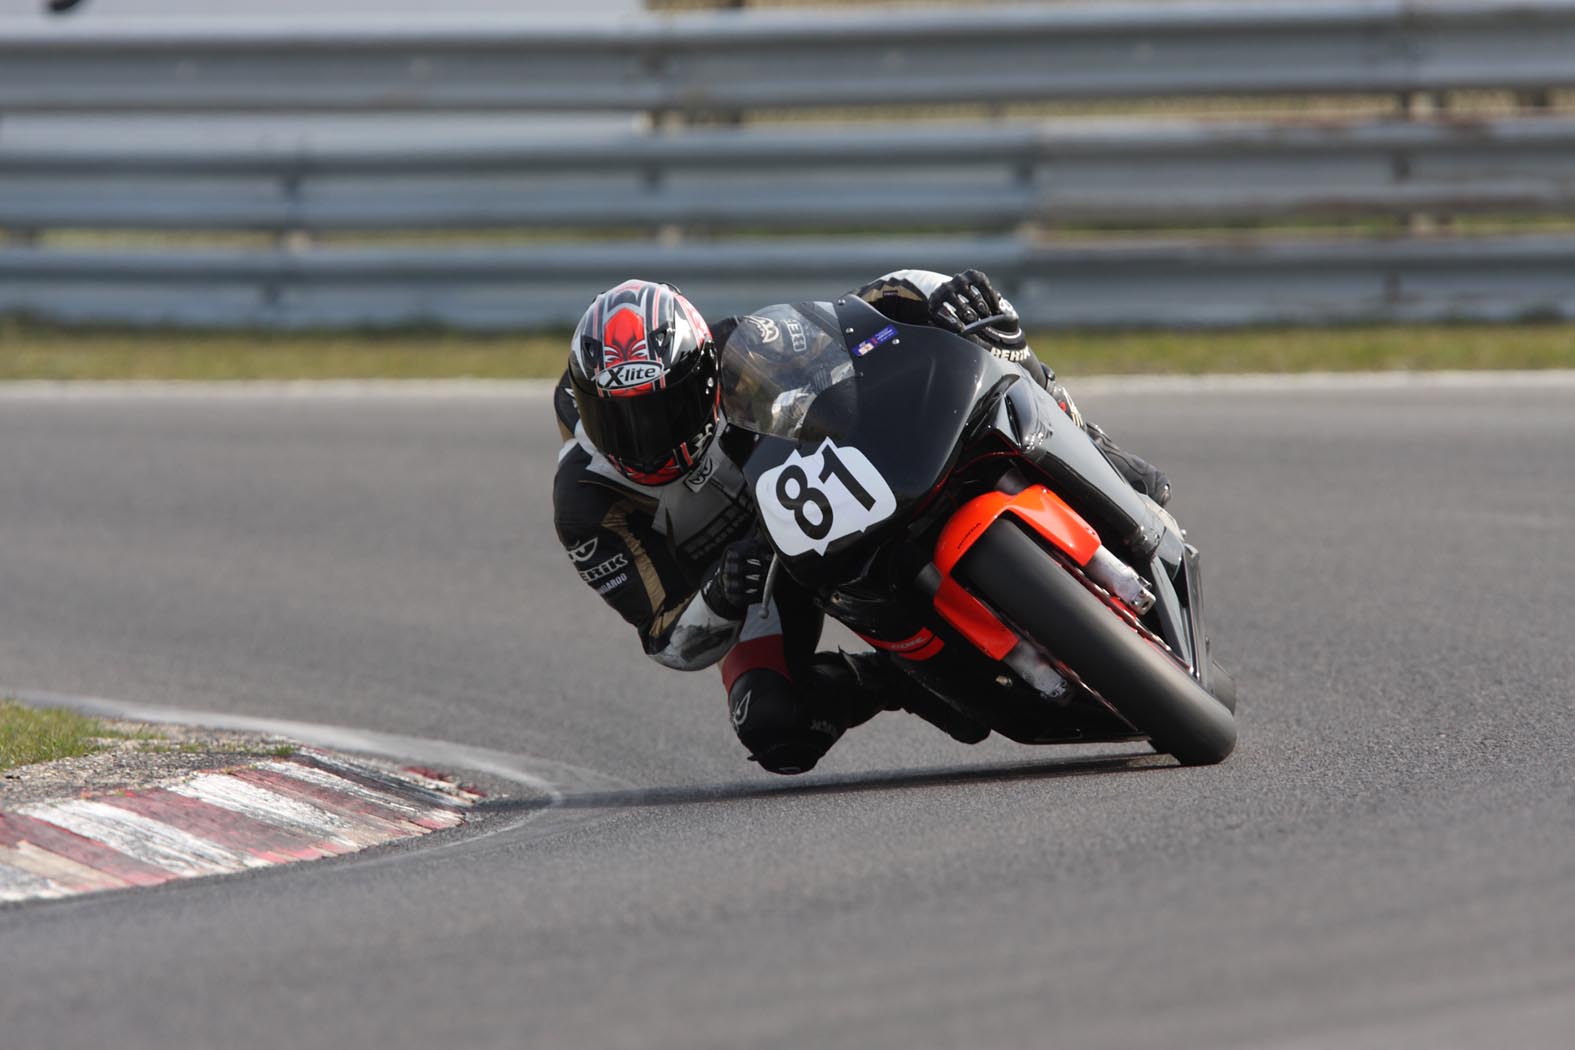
pixel 643 367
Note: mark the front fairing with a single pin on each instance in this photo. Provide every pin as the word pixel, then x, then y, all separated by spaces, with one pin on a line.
pixel 902 397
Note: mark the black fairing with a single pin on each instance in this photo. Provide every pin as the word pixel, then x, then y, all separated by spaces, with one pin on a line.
pixel 914 403
pixel 1077 470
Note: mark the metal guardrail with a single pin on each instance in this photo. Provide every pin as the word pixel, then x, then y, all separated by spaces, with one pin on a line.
pixel 727 62
pixel 972 180
pixel 1150 283
pixel 968 177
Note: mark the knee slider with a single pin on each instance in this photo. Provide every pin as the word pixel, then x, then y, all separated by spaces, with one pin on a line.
pixel 776 725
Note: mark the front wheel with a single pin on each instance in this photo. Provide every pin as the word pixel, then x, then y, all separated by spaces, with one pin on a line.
pixel 1224 686
pixel 1009 572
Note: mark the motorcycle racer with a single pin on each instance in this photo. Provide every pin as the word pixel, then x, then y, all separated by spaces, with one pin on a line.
pixel 655 517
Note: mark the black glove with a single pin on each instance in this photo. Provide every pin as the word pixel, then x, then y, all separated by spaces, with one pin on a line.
pixel 739 580
pixel 970 297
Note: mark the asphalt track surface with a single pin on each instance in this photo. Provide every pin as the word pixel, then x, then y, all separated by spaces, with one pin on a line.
pixel 1388 859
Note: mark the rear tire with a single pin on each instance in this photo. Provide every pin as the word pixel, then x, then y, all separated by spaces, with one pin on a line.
pixel 1013 575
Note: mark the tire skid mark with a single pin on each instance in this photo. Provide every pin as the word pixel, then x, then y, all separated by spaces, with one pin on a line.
pixel 429 817
pixel 418 785
pixel 367 825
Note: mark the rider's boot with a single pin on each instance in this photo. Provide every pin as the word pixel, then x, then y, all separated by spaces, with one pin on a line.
pixel 892 690
pixel 1138 472
pixel 836 677
pixel 788 725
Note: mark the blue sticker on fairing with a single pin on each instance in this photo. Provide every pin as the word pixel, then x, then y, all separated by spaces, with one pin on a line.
pixel 883 336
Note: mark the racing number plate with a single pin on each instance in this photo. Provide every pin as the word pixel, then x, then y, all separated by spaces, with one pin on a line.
pixel 810 502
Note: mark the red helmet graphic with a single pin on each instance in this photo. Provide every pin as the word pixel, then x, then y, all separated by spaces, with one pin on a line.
pixel 644 371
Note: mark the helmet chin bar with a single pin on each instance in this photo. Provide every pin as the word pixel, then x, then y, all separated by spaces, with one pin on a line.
pixel 683 461
pixel 663 475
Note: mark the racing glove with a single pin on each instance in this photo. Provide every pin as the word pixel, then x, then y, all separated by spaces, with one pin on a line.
pixel 970 297
pixel 739 580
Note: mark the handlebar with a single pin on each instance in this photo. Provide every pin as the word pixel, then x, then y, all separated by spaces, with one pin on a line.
pixel 985 322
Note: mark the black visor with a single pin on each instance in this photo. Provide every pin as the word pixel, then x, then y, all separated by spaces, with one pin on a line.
pixel 643 431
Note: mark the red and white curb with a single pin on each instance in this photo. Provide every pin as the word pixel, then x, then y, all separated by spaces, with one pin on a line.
pixel 311 805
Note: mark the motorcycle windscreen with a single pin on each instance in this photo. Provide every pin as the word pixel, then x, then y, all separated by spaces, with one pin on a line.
pixel 858 423
pixel 777 362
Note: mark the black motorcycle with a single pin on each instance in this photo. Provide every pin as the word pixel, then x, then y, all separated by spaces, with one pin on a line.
pixel 941 504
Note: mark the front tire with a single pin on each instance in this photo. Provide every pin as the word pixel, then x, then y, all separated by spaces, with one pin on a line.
pixel 1224 686
pixel 1012 574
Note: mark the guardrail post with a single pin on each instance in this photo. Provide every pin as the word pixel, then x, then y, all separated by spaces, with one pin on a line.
pixel 1421 106
pixel 26 236
pixel 661 120
pixel 654 179
pixel 1027 231
pixel 291 237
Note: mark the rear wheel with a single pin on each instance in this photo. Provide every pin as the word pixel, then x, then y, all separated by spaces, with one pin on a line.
pixel 1010 573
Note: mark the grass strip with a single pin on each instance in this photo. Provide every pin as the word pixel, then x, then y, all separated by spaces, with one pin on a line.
pixel 29 735
pixel 39 352
pixel 50 353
